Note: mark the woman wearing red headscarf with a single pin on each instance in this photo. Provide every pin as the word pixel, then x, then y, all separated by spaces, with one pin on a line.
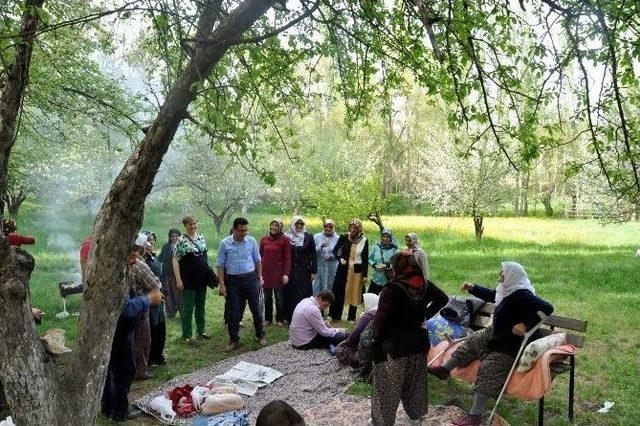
pixel 400 343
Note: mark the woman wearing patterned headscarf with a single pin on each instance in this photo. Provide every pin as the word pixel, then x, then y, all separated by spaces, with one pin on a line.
pixel 380 260
pixel 413 244
pixel 497 345
pixel 327 263
pixel 400 343
pixel 304 265
pixel 352 252
pixel 275 252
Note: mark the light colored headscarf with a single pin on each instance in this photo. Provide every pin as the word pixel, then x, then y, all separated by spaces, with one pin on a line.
pixel 357 223
pixel 515 278
pixel 326 221
pixel 370 301
pixel 415 242
pixel 296 238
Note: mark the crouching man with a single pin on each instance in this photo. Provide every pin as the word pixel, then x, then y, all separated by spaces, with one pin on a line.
pixel 308 330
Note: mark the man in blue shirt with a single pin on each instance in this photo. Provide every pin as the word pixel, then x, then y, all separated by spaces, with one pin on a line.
pixel 240 274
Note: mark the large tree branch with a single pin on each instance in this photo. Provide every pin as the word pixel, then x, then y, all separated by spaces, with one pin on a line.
pixel 121 214
pixel 610 42
pixel 11 98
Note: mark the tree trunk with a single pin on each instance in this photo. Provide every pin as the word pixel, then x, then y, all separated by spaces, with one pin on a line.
pixel 217 221
pixel 47 394
pixel 525 195
pixel 377 219
pixel 546 201
pixel 13 91
pixel 14 200
pixel 477 224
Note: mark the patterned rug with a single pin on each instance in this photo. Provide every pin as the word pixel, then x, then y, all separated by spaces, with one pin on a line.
pixel 313 383
pixel 310 378
pixel 348 410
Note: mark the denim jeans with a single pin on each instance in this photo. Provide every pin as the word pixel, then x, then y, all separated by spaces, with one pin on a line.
pixel 240 290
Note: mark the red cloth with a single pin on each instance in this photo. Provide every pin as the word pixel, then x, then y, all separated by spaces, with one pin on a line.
pixel 17 240
pixel 276 259
pixel 85 248
pixel 184 408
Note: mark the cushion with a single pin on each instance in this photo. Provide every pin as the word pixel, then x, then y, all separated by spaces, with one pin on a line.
pixel 535 349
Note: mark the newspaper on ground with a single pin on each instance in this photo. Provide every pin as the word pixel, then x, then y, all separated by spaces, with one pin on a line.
pixel 249 377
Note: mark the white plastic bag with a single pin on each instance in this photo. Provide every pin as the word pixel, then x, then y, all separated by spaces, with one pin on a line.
pixel 198 394
pixel 219 403
pixel 162 405
pixel 7 422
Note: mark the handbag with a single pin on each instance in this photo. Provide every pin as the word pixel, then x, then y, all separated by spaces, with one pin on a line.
pixel 210 277
pixel 388 272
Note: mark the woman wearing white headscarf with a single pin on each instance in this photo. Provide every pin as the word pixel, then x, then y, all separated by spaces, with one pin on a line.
pixel 304 266
pixel 413 244
pixel 497 345
pixel 327 262
pixel 352 252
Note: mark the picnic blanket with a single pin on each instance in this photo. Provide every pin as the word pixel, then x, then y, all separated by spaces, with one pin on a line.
pixel 309 378
pixel 531 385
pixel 350 410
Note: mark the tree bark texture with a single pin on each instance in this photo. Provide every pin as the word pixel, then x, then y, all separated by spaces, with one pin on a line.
pixel 73 393
pixel 26 371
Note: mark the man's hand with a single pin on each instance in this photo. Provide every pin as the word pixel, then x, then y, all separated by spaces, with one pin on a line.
pixel 155 297
pixel 179 285
pixel 285 279
pixel 343 262
pixel 222 291
pixel 313 277
pixel 261 282
pixel 466 287
pixel 519 329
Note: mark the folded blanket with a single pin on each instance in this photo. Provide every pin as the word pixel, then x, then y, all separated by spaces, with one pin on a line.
pixel 531 385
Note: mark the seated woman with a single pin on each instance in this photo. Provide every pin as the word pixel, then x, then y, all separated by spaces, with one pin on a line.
pixel 497 345
pixel 347 351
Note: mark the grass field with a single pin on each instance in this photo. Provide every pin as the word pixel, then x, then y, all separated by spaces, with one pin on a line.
pixel 586 270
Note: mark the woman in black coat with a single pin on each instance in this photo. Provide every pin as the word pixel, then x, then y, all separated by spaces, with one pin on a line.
pixel 304 266
pixel 352 252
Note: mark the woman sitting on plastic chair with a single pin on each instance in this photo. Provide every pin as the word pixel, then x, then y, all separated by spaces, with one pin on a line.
pixel 497 345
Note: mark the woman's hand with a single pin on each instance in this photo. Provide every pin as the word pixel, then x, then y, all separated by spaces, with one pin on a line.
pixel 380 266
pixel 466 287
pixel 519 329
pixel 343 262
pixel 222 291
pixel 285 279
pixel 313 277
pixel 179 285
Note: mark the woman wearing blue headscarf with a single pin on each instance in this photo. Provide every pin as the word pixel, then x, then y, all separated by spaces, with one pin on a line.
pixel 380 260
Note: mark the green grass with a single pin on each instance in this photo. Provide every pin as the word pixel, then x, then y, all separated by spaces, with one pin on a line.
pixel 586 270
